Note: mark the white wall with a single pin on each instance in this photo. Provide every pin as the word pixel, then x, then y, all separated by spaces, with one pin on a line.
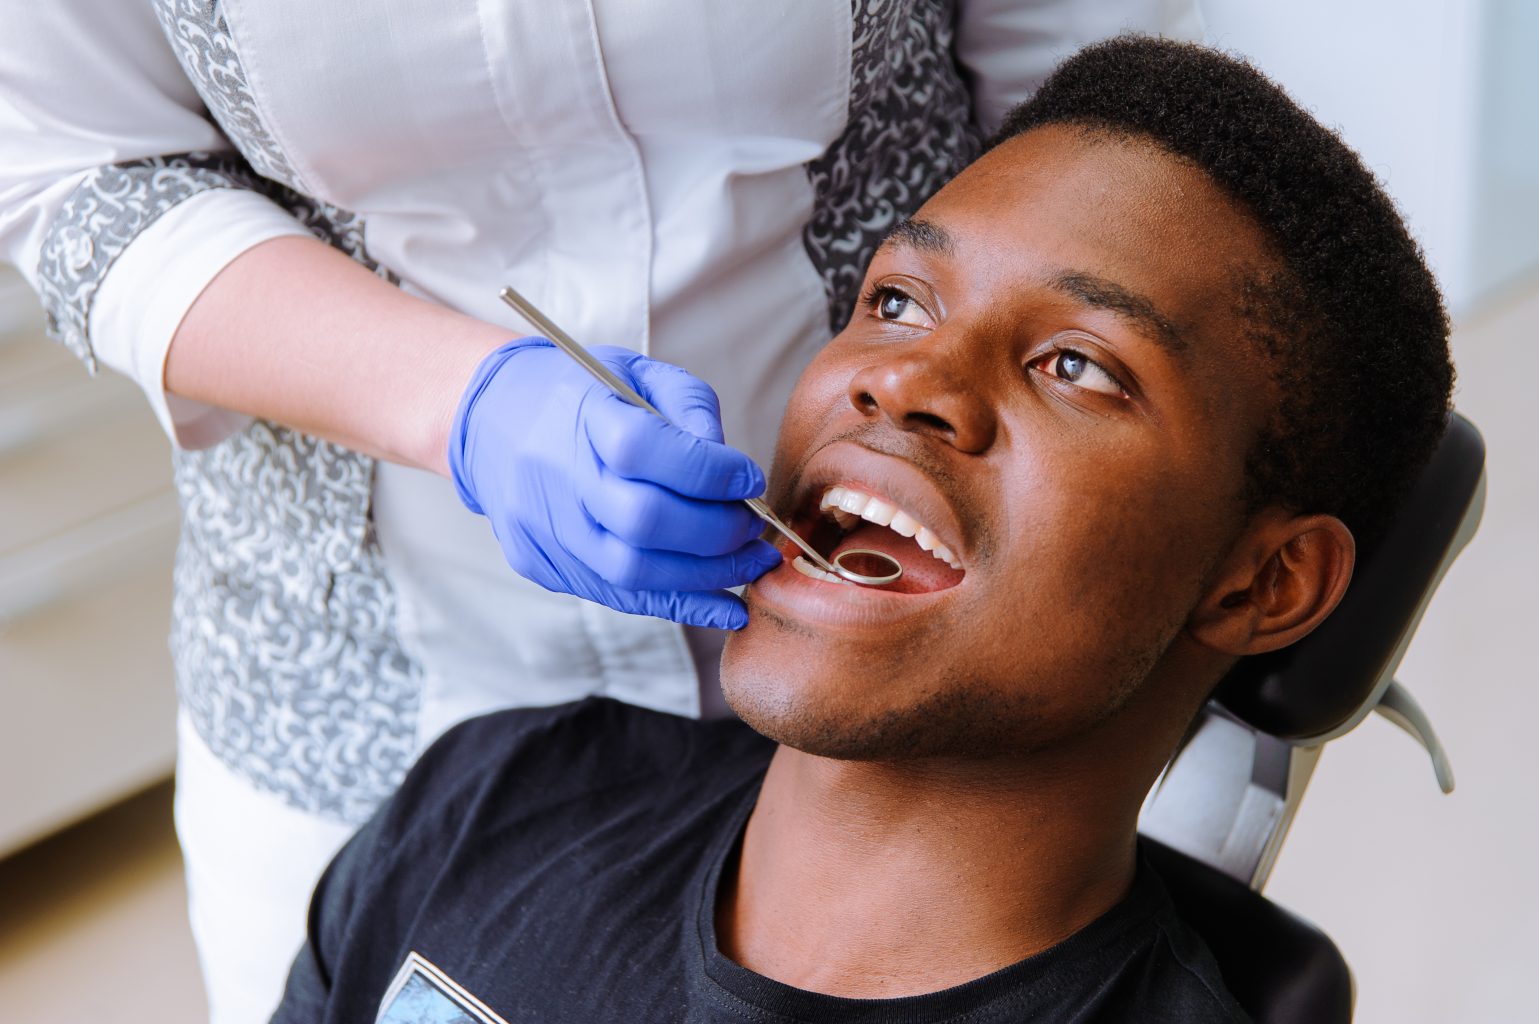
pixel 1505 228
pixel 1441 97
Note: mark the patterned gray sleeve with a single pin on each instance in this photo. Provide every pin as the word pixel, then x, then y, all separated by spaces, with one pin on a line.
pixel 118 201
pixel 106 212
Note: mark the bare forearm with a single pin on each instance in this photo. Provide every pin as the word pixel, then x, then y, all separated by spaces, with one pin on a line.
pixel 296 332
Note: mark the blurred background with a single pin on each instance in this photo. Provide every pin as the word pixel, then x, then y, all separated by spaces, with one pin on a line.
pixel 1431 898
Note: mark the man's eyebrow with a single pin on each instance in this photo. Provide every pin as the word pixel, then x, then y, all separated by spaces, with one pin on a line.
pixel 1111 296
pixel 919 234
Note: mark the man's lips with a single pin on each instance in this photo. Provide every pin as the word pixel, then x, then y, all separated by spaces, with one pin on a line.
pixel 787 594
pixel 853 498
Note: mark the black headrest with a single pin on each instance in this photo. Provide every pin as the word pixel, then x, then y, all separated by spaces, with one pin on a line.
pixel 1322 682
pixel 1280 968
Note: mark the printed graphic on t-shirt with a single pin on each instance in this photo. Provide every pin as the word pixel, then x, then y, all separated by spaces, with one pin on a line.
pixel 423 994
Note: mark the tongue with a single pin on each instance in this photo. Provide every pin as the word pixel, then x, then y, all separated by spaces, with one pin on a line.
pixel 922 571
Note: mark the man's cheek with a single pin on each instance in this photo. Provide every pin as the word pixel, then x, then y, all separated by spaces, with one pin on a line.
pixel 819 398
pixel 1091 552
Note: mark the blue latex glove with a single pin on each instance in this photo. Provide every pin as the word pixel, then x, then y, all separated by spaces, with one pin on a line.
pixel 590 495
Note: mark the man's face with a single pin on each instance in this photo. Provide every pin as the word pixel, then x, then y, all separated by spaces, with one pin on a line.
pixel 1049 373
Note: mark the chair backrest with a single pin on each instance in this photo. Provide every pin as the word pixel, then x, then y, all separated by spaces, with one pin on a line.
pixel 1226 801
pixel 1325 684
pixel 1278 967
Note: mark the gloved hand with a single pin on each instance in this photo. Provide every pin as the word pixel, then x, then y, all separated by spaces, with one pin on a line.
pixel 590 495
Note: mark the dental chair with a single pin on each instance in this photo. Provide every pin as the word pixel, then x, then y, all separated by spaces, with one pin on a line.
pixel 1216 818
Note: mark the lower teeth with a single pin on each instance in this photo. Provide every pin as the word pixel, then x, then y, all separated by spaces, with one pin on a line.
pixel 806 568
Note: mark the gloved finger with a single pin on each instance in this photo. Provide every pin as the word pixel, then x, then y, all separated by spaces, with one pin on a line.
pixel 713 609
pixel 685 399
pixel 645 515
pixel 630 568
pixel 567 575
pixel 638 446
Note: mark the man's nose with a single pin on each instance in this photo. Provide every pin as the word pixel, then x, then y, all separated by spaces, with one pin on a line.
pixel 923 392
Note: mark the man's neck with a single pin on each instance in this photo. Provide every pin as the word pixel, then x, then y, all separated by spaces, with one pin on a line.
pixel 879 881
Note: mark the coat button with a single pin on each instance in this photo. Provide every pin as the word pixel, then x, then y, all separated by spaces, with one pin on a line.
pixel 79 250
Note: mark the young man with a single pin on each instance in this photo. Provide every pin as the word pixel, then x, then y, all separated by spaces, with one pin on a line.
pixel 1119 397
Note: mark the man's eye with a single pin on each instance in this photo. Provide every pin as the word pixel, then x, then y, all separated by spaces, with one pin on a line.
pixel 1081 371
pixel 891 304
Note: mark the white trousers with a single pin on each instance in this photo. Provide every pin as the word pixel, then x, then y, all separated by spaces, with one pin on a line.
pixel 251 862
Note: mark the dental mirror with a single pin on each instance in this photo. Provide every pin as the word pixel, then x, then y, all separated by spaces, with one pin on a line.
pixel 873 559
pixel 885 568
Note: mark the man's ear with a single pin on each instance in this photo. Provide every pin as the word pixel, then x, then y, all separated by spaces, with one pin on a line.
pixel 1283 576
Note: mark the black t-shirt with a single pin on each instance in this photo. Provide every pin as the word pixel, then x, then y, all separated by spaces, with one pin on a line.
pixel 561 865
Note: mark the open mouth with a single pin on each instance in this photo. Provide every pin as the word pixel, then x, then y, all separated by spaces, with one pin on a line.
pixel 847 519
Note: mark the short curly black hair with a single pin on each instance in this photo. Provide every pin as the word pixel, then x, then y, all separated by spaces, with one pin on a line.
pixel 1353 323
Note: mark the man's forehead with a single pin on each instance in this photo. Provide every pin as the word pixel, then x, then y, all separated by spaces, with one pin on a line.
pixel 1064 182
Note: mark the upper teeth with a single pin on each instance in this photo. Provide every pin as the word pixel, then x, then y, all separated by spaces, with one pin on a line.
pixel 849 505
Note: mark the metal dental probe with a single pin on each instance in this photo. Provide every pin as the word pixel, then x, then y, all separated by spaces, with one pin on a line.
pixel 564 342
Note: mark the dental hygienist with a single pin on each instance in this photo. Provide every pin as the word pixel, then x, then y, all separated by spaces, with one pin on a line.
pixel 289 223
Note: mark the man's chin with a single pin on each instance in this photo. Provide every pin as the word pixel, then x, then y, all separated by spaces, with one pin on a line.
pixel 804 729
pixel 843 724
pixel 818 693
pixel 798 704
